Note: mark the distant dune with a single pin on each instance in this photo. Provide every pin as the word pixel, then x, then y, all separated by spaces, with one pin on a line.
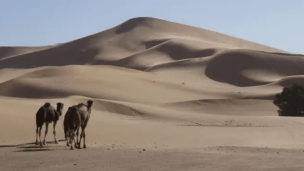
pixel 6 51
pixel 154 81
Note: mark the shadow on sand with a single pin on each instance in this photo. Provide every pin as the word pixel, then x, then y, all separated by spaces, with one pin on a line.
pixel 32 147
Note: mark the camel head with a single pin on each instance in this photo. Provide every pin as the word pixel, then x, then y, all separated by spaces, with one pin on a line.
pixel 59 107
pixel 89 103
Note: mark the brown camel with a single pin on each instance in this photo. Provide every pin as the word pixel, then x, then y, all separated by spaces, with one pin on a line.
pixel 66 126
pixel 47 114
pixel 79 117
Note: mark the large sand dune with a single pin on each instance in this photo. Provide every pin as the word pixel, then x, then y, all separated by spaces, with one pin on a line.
pixel 15 51
pixel 169 88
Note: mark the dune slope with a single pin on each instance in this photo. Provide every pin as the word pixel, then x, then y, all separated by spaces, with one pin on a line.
pixel 7 51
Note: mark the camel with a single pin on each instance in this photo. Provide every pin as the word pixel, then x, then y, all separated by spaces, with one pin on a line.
pixel 79 117
pixel 66 127
pixel 47 114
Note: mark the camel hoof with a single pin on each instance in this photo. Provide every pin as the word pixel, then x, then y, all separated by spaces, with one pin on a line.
pixel 37 143
pixel 68 145
pixel 84 146
pixel 56 142
pixel 72 148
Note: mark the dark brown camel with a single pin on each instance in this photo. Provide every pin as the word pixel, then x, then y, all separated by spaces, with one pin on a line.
pixel 47 114
pixel 79 117
pixel 66 127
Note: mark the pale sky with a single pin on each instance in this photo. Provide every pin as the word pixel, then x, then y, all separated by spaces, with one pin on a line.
pixel 276 23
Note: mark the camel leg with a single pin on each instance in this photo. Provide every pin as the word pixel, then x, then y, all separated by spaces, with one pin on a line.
pixel 72 139
pixel 76 139
pixel 81 135
pixel 72 147
pixel 70 136
pixel 46 131
pixel 77 135
pixel 84 135
pixel 54 132
pixel 37 132
pixel 67 140
pixel 66 134
pixel 40 142
pixel 67 143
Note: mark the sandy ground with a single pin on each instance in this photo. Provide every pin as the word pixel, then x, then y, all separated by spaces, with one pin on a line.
pixel 167 96
pixel 123 158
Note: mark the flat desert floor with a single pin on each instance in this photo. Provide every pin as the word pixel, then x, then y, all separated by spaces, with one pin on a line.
pixel 167 96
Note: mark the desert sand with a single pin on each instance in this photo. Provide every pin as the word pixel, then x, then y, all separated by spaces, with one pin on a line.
pixel 167 96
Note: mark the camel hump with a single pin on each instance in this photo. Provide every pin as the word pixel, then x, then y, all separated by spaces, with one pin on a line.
pixel 74 108
pixel 47 104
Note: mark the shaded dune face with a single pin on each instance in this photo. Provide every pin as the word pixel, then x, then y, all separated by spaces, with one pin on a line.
pixel 245 68
pixel 14 51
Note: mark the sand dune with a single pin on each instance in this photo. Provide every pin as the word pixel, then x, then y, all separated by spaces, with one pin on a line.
pixel 157 85
pixel 250 68
pixel 106 83
pixel 126 39
pixel 7 51
pixel 241 68
pixel 243 107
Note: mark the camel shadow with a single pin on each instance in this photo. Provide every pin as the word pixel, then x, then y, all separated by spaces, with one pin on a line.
pixel 32 147
pixel 4 146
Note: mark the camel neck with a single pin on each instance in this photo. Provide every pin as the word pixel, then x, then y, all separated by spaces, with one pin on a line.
pixel 59 111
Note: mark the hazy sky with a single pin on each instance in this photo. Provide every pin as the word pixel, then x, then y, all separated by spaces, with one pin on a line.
pixel 277 23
